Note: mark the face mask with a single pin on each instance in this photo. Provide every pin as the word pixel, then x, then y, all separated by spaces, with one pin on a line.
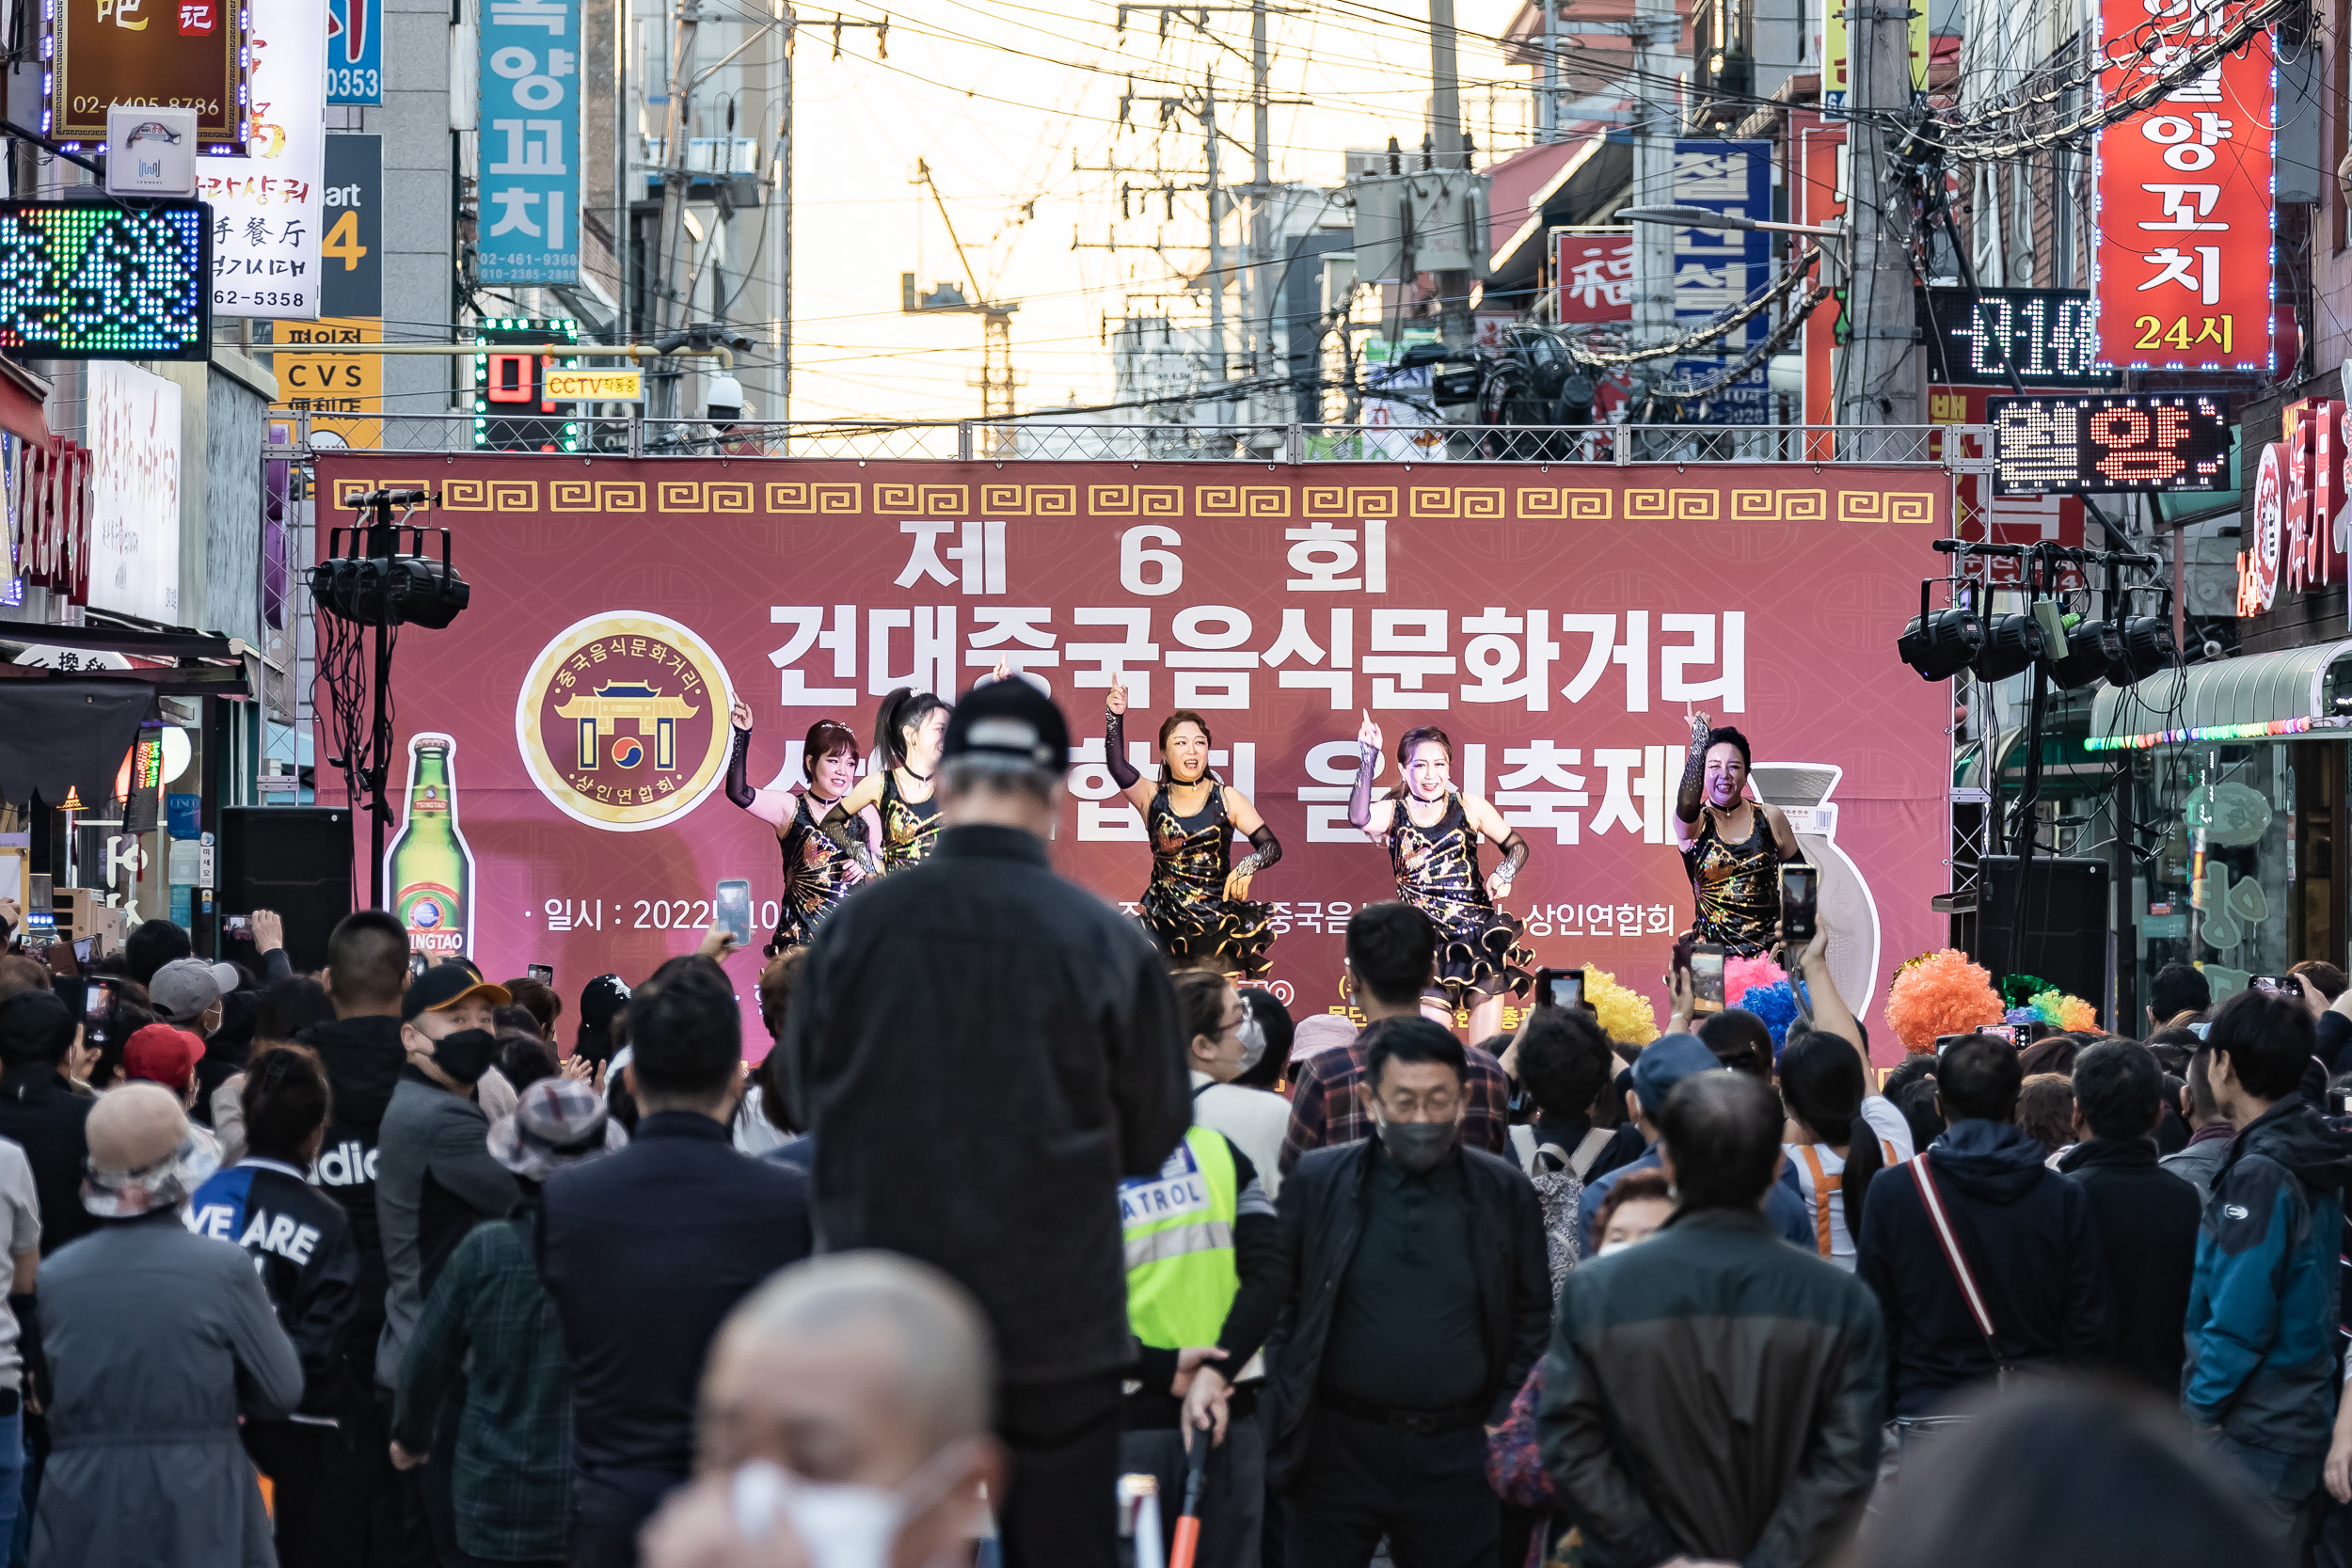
pixel 842 1526
pixel 465 1055
pixel 1608 1248
pixel 1417 1146
pixel 1252 1034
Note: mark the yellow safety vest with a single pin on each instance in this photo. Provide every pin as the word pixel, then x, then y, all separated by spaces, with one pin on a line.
pixel 1178 1226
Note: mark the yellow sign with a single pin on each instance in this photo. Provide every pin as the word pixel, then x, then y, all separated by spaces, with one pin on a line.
pixel 569 385
pixel 1835 55
pixel 340 391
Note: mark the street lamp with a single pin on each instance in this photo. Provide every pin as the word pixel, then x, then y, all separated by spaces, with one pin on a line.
pixel 1707 217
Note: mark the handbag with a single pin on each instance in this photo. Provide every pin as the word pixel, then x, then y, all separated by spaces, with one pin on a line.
pixel 1933 1202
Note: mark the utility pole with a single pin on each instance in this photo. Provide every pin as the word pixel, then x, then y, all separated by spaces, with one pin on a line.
pixel 669 309
pixel 1879 370
pixel 1547 112
pixel 783 220
pixel 1217 252
pixel 1261 207
pixel 1656 32
pixel 1445 109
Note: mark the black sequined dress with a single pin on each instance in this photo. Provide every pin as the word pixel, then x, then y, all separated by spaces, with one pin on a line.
pixel 1736 887
pixel 1437 872
pixel 909 828
pixel 814 875
pixel 1185 911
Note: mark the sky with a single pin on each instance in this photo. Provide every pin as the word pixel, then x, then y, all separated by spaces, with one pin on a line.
pixel 1000 99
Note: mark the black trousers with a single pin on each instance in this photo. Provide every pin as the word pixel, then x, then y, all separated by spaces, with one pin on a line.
pixel 325 1480
pixel 1426 1491
pixel 1061 1509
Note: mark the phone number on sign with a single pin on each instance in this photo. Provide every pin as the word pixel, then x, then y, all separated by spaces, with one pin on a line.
pixel 648 914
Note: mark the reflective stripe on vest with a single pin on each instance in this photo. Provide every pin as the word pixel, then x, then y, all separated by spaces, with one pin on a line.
pixel 1178 1227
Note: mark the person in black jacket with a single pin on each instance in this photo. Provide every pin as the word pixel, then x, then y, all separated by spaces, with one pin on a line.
pixel 2024 1232
pixel 980 1051
pixel 1421 1297
pixel 2145 1216
pixel 301 1244
pixel 41 1111
pixel 647 1250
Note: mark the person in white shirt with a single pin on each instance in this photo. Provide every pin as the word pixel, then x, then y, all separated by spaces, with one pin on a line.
pixel 1838 1134
pixel 1224 1043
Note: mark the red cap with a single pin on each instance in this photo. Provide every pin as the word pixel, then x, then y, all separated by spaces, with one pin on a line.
pixel 162 1054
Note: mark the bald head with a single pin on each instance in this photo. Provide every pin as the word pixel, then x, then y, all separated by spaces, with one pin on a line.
pixel 855 1366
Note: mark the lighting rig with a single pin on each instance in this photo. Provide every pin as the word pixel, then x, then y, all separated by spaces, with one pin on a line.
pixel 376 575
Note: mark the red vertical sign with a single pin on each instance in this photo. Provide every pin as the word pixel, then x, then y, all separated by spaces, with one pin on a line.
pixel 1817 196
pixel 2181 273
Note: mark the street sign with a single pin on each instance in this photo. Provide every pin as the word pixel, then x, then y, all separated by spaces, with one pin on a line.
pixel 2121 441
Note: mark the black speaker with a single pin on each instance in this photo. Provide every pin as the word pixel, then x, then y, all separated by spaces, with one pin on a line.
pixel 296 859
pixel 2065 931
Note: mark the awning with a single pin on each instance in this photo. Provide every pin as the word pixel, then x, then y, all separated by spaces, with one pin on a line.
pixel 2256 697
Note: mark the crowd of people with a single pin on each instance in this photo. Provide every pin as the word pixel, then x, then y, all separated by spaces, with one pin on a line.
pixel 1023 1246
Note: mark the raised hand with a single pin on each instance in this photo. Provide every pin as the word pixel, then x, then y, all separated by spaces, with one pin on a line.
pixel 1004 668
pixel 1116 701
pixel 1701 726
pixel 740 714
pixel 1368 735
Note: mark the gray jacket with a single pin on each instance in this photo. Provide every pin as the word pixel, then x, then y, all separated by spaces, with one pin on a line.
pixel 435 1181
pixel 2197 1162
pixel 156 1340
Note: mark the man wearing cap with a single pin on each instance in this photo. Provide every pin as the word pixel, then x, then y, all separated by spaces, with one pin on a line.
pixel 1663 1063
pixel 982 1052
pixel 489 1335
pixel 157 1340
pixel 188 991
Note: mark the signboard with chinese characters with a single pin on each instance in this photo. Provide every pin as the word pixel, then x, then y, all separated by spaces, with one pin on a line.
pixel 589 709
pixel 355 51
pixel 529 215
pixel 266 205
pixel 1716 270
pixel 2181 271
pixel 2121 441
pixel 120 280
pixel 174 54
pixel 1591 276
pixel 135 493
pixel 1978 337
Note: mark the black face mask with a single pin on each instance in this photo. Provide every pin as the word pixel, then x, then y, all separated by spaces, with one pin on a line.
pixel 465 1055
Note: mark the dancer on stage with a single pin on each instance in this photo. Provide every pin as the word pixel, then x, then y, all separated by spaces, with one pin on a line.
pixel 907 729
pixel 1197 911
pixel 1431 831
pixel 817 872
pixel 1732 847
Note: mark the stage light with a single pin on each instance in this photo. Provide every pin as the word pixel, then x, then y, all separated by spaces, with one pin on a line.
pixel 2147 648
pixel 2011 644
pixel 1940 643
pixel 2091 648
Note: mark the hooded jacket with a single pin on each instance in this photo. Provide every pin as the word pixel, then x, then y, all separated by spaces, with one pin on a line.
pixel 2262 1308
pixel 2146 1222
pixel 2029 1240
pixel 363 1057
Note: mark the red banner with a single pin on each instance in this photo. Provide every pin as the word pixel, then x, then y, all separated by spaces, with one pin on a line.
pixel 1555 623
pixel 2181 271
pixel 1593 275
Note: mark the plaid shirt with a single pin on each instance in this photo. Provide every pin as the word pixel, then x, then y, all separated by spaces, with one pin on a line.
pixel 1326 1109
pixel 512 1472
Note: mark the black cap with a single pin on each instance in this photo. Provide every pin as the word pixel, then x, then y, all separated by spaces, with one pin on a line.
pixel 445 985
pixel 1009 722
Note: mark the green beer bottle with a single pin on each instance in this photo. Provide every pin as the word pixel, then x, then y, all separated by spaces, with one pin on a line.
pixel 428 866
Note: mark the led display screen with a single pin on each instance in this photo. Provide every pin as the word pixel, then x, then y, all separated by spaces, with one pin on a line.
pixel 2119 441
pixel 113 279
pixel 1975 336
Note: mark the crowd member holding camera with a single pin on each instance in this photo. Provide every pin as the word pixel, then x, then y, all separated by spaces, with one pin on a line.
pixel 1431 832
pixel 1732 847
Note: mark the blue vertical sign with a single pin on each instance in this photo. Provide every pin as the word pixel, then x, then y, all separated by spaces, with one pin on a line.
pixel 530 84
pixel 1717 270
pixel 355 51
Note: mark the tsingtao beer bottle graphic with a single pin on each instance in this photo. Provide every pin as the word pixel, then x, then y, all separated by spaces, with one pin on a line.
pixel 428 866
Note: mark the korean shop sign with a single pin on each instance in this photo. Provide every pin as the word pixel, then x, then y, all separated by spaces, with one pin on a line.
pixel 2181 273
pixel 530 216
pixel 172 53
pixel 266 205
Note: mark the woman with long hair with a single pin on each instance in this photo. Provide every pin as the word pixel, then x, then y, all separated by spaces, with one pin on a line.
pixel 1196 907
pixel 1834 1147
pixel 819 872
pixel 1431 832
pixel 909 728
pixel 1732 847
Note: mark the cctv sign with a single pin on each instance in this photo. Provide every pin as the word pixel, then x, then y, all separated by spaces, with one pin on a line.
pixel 565 385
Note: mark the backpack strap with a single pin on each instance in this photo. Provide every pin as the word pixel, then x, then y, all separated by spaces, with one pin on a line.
pixel 1933 1202
pixel 1588 1150
pixel 1812 1157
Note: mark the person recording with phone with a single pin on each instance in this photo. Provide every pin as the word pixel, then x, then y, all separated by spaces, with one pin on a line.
pixel 1732 846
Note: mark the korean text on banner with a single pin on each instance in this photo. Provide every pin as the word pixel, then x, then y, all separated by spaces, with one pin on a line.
pixel 134 492
pixel 530 142
pixel 2181 274
pixel 1716 270
pixel 266 206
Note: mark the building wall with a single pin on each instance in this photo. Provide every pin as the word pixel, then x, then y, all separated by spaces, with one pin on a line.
pixel 417 213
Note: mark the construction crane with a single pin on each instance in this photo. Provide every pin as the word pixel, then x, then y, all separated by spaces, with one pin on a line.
pixel 997 380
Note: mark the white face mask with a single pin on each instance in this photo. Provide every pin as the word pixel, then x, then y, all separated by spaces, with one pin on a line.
pixel 1608 1248
pixel 843 1525
pixel 1252 1034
